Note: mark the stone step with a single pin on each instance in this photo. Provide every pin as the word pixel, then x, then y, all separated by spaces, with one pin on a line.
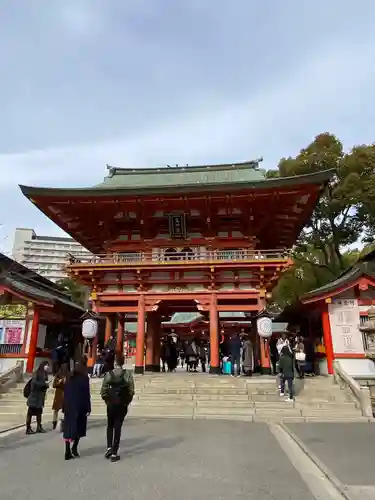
pixel 326 405
pixel 193 391
pixel 334 412
pixel 224 411
pixel 341 419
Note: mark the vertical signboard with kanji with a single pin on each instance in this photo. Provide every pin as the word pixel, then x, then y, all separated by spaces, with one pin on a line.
pixel 344 320
pixel 177 226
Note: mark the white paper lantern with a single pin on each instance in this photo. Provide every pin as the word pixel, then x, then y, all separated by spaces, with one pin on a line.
pixel 89 328
pixel 264 327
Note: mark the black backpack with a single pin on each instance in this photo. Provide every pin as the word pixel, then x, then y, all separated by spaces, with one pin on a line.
pixel 27 389
pixel 119 392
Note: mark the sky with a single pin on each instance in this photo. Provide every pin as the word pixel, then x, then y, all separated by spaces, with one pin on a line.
pixel 143 83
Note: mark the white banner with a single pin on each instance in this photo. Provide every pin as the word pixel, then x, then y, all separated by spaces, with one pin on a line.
pixel 344 319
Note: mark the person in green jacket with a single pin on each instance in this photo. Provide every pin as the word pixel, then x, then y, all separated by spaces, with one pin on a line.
pixel 286 367
pixel 117 391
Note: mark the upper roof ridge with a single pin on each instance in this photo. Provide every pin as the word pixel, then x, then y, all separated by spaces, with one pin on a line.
pixel 253 164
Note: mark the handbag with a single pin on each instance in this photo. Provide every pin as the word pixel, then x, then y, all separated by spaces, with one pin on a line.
pixel 300 356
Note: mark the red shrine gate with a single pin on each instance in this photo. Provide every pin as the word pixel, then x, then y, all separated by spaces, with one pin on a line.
pixel 182 239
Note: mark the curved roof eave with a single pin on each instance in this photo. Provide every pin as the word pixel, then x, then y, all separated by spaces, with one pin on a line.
pixel 98 191
pixel 337 286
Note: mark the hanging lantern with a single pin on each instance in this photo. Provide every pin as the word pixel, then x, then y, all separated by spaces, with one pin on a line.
pixel 264 326
pixel 89 328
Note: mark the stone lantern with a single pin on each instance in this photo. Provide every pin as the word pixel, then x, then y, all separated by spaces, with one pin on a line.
pixel 368 331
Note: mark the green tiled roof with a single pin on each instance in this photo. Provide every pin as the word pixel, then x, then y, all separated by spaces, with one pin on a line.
pixel 119 178
pixel 183 318
pixel 181 180
pixel 34 290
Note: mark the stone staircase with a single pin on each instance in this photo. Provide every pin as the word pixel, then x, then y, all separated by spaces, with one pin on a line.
pixel 201 396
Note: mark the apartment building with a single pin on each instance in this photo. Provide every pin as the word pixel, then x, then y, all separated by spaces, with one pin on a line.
pixel 46 255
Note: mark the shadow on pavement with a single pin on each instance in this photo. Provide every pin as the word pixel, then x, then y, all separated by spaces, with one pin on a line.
pixel 135 446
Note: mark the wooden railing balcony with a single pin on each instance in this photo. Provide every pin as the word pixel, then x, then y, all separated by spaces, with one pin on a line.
pixel 185 258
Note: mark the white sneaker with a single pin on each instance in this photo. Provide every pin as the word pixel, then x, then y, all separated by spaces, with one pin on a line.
pixel 290 400
pixel 282 394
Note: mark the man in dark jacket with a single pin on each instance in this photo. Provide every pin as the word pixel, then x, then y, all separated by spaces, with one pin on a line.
pixel 235 353
pixel 117 392
pixel 286 367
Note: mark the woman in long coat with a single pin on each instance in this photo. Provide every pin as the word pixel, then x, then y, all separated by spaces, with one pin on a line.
pixel 37 397
pixel 247 357
pixel 76 407
pixel 58 384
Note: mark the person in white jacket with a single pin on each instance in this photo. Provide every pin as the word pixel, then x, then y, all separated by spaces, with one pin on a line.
pixel 281 342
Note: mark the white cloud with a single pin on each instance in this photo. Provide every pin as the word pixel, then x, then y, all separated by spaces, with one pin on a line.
pixel 331 89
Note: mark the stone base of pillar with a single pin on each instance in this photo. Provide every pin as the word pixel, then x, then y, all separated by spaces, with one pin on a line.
pixel 139 370
pixel 149 368
pixel 156 368
pixel 265 370
pixel 216 370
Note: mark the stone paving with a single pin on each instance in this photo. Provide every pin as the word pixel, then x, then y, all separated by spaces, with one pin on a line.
pixel 346 450
pixel 190 460
pixel 161 459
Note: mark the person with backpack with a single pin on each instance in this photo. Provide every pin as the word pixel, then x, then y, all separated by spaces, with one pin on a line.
pixel 117 392
pixel 35 391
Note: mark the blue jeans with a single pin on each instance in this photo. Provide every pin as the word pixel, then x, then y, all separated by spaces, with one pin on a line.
pixel 290 386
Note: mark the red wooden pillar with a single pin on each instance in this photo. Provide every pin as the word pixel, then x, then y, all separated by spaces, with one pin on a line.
pixel 94 346
pixel 108 327
pixel 214 337
pixel 150 342
pixel 120 334
pixel 327 337
pixel 140 342
pixel 33 341
pixel 156 360
pixel 265 361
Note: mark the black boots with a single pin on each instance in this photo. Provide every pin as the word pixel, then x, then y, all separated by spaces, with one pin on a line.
pixel 75 448
pixel 54 424
pixel 29 431
pixel 68 452
pixel 71 453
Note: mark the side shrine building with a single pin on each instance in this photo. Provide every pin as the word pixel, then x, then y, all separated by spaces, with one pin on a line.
pixel 208 239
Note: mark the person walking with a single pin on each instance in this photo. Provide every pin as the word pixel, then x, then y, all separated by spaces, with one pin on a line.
pixel 58 384
pixel 117 392
pixel 202 355
pixel 286 367
pixel 247 357
pixel 99 362
pixel 36 390
pixel 300 357
pixel 163 354
pixel 76 407
pixel 235 353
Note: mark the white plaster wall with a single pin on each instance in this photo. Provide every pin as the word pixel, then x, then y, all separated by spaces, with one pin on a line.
pixel 41 336
pixel 323 368
pixel 8 363
pixel 358 367
pixel 246 286
pixel 29 328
